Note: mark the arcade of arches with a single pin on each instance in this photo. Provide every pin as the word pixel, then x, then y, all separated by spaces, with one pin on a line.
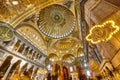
pixel 59 40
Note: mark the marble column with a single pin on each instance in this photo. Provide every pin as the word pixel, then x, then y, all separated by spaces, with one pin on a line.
pixel 24 50
pixel 32 54
pixel 32 75
pixel 36 56
pixel 14 42
pixel 19 46
pixel 28 52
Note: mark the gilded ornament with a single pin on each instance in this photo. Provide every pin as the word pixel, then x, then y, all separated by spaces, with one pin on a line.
pixel 103 32
pixel 6 34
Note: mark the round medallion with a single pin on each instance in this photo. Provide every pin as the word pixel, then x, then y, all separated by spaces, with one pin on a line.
pixel 6 33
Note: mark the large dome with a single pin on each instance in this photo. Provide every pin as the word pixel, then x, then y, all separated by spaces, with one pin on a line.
pixel 56 21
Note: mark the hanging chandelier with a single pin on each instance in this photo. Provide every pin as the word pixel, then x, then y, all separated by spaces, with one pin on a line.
pixel 56 21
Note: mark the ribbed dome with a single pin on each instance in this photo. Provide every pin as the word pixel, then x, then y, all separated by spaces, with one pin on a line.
pixel 56 21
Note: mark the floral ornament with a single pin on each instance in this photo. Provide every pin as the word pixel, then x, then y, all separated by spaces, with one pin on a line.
pixel 104 32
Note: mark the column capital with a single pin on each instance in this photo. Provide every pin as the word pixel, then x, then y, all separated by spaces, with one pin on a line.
pixel 14 60
pixel 21 43
pixel 33 51
pixel 30 49
pixel 25 46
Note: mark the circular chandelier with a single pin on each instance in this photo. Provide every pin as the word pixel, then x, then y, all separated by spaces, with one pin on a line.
pixel 56 21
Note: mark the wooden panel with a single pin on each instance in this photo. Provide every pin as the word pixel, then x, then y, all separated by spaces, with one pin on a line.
pixel 116 60
pixel 90 4
pixel 114 2
pixel 115 42
pixel 109 49
pixel 102 11
pixel 116 18
pixel 103 51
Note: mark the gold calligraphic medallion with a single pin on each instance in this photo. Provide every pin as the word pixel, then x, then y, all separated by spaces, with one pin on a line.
pixel 6 34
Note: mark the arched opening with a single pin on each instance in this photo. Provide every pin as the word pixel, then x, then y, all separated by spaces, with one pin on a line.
pixel 30 69
pixel 21 48
pixel 16 45
pixel 24 68
pixel 14 70
pixel 5 65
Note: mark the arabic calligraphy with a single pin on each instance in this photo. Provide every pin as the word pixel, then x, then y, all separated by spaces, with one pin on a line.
pixel 5 33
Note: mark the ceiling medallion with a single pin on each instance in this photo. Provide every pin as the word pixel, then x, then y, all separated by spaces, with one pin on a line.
pixel 103 32
pixel 6 34
pixel 56 21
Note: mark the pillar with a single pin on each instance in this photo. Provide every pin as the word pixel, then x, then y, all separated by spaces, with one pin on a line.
pixel 14 42
pixel 21 65
pixel 28 52
pixel 24 50
pixel 32 54
pixel 19 47
pixel 36 57
pixel 32 75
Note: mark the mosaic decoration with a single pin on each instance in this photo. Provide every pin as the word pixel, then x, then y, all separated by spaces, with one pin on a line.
pixel 66 43
pixel 42 71
pixel 47 61
pixel 68 58
pixel 79 52
pixel 53 57
pixel 56 21
pixel 103 32
pixel 6 34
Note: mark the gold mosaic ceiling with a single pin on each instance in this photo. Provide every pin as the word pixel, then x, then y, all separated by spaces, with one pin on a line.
pixel 23 16
pixel 66 59
pixel 65 44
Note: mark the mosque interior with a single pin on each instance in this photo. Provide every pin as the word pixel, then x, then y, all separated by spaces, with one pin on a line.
pixel 81 35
